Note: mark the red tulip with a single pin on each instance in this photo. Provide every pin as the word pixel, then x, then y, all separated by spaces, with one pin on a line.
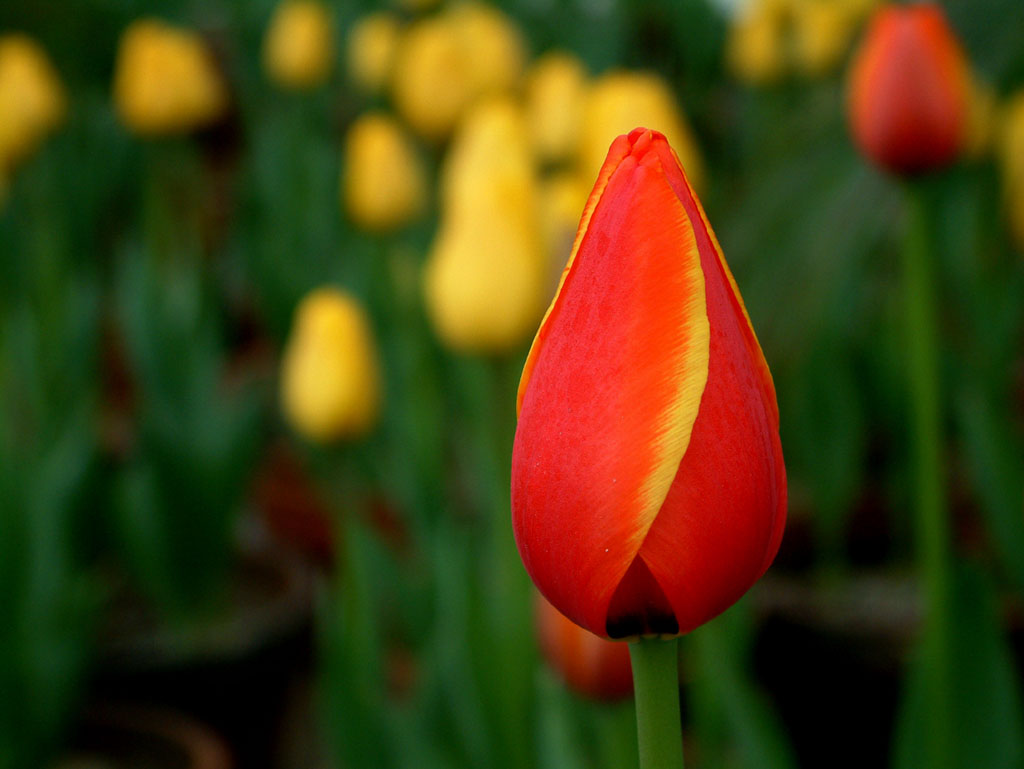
pixel 908 95
pixel 593 667
pixel 648 488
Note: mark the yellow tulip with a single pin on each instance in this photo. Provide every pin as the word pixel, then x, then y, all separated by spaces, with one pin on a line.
pixel 383 182
pixel 298 49
pixel 1011 162
pixel 485 277
pixel 555 90
pixel 32 101
pixel 165 81
pixel 822 32
pixel 755 47
pixel 562 197
pixel 447 62
pixel 620 101
pixel 330 377
pixel 495 54
pixel 981 118
pixel 372 45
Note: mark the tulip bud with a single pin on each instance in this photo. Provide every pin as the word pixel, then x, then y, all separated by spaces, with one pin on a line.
pixel 908 90
pixel 447 62
pixel 330 382
pixel 981 118
pixel 648 487
pixel 593 667
pixel 372 45
pixel 32 101
pixel 1011 163
pixel 383 183
pixel 822 30
pixel 562 197
pixel 165 81
pixel 299 48
pixel 484 279
pixel 554 105
pixel 755 48
pixel 621 100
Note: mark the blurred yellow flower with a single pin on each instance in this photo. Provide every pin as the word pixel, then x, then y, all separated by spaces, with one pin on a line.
pixel 32 101
pixel 620 101
pixel 562 197
pixel 555 90
pixel 981 117
pixel 298 49
pixel 822 33
pixel 755 47
pixel 372 44
pixel 330 377
pixel 485 277
pixel 383 181
pixel 1011 163
pixel 448 61
pixel 165 81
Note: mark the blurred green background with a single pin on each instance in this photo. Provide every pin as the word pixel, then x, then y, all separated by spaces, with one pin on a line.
pixel 268 275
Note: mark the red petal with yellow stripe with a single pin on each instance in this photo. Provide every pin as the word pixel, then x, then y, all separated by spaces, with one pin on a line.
pixel 648 489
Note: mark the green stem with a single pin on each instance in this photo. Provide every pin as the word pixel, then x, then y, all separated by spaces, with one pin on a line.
pixel 656 686
pixel 932 523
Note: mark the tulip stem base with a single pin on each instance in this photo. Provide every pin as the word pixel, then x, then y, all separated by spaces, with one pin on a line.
pixel 656 685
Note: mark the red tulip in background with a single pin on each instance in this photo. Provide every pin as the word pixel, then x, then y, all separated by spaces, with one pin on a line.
pixel 592 667
pixel 908 90
pixel 648 487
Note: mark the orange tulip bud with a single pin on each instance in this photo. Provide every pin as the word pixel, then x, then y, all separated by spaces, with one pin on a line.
pixel 591 666
pixel 648 487
pixel 908 90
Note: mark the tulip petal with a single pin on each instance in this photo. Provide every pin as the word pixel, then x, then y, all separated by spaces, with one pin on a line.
pixel 693 555
pixel 608 403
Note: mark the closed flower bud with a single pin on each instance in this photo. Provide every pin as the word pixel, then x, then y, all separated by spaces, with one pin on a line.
pixel 756 46
pixel 383 183
pixel 822 30
pixel 447 62
pixel 372 45
pixel 648 487
pixel 593 667
pixel 908 91
pixel 165 81
pixel 1011 164
pixel 299 46
pixel 485 277
pixel 32 101
pixel 618 102
pixel 562 197
pixel 981 118
pixel 555 90
pixel 330 381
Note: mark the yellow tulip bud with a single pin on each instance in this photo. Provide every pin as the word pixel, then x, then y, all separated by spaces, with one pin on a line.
pixel 299 47
pixel 981 117
pixel 555 91
pixel 165 81
pixel 330 377
pixel 484 281
pixel 562 198
pixel 1011 164
pixel 756 46
pixel 32 101
pixel 617 103
pixel 383 182
pixel 493 47
pixel 822 31
pixel 447 62
pixel 372 45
